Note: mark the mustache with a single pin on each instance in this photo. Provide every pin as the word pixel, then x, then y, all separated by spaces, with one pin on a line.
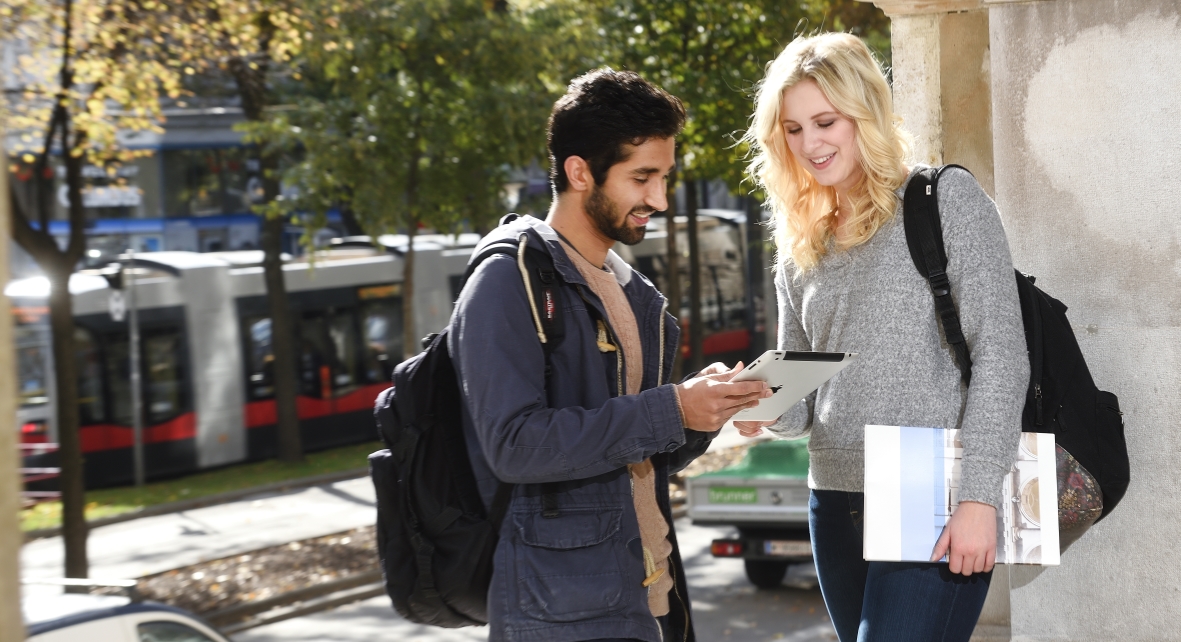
pixel 642 211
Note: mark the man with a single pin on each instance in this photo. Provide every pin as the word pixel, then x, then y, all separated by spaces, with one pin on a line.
pixel 590 433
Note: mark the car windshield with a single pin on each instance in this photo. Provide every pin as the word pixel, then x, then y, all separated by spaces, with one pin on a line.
pixel 169 631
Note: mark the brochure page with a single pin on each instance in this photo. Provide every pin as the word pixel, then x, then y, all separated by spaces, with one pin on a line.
pixel 912 480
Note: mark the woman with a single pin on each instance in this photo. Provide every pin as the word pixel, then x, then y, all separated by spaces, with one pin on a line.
pixel 830 155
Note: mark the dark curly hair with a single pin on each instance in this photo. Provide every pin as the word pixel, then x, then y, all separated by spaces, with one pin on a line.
pixel 603 110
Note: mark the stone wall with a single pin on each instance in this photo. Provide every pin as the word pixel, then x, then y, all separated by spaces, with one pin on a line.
pixel 1086 100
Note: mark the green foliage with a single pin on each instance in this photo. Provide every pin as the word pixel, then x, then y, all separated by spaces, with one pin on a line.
pixel 414 110
pixel 711 54
pixel 113 501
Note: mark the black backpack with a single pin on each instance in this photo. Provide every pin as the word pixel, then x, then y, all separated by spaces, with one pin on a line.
pixel 1062 398
pixel 434 537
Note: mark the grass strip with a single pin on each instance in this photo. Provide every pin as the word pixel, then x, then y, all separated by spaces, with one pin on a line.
pixel 106 502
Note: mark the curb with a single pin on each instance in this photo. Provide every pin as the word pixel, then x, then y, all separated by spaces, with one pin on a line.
pixel 313 599
pixel 208 500
pixel 301 608
pixel 230 618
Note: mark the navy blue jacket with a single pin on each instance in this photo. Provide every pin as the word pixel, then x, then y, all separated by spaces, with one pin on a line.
pixel 576 576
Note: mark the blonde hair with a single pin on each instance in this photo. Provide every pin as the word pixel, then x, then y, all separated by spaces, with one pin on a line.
pixel 846 72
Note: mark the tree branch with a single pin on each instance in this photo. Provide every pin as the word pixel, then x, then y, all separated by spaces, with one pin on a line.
pixel 39 167
pixel 38 243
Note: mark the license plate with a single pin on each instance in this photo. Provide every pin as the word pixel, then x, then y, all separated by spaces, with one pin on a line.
pixel 787 548
pixel 733 495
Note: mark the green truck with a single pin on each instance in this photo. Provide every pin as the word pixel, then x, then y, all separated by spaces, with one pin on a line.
pixel 766 497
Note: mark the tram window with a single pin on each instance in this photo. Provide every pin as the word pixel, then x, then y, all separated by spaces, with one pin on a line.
pixel 315 364
pixel 343 332
pixel 118 367
pixel 162 373
pixel 33 376
pixel 261 359
pixel 382 323
pixel 90 384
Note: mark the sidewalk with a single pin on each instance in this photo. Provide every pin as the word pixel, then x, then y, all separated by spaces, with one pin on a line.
pixel 162 542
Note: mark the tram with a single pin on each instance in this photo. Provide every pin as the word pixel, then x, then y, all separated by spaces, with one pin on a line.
pixel 206 352
pixel 734 317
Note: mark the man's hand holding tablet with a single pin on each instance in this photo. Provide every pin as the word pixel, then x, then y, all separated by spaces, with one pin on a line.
pixel 790 376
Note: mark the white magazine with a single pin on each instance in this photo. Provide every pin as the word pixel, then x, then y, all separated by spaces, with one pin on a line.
pixel 912 480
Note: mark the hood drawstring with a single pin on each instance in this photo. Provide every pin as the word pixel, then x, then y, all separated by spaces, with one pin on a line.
pixel 529 286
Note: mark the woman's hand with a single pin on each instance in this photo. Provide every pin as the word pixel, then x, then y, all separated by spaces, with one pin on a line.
pixel 751 428
pixel 969 539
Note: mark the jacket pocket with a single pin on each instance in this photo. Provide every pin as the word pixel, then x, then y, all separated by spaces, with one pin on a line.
pixel 568 567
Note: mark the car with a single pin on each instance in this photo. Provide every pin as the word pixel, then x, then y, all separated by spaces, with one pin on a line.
pixel 75 617
pixel 766 497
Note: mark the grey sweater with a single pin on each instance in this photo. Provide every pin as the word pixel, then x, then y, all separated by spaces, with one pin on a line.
pixel 871 300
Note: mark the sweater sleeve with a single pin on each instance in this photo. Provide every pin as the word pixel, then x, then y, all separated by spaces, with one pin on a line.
pixel 980 269
pixel 797 421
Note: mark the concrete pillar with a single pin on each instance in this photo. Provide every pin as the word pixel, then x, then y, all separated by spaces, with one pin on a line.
pixel 941 81
pixel 11 626
pixel 1087 103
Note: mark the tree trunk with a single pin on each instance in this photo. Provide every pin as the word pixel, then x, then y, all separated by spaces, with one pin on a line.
pixel 284 347
pixel 251 80
pixel 756 271
pixel 410 338
pixel 672 268
pixel 348 220
pixel 58 266
pixel 696 358
pixel 65 363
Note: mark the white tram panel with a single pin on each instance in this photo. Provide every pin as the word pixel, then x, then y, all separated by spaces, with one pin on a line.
pixel 214 347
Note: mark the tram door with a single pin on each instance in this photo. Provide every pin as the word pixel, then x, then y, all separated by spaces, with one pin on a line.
pixel 346 358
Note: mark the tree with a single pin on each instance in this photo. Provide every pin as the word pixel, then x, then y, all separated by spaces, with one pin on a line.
pixel 248 39
pixel 413 111
pixel 710 54
pixel 94 69
pixel 105 55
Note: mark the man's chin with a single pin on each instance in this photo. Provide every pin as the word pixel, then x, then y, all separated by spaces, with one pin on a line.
pixel 630 235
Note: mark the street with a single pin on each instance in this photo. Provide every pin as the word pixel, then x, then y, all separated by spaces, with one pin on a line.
pixel 725 605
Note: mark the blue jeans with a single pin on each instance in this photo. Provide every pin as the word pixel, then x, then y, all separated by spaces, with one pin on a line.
pixel 886 601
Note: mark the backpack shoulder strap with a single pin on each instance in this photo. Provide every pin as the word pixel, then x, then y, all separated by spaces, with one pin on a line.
pixel 924 238
pixel 544 294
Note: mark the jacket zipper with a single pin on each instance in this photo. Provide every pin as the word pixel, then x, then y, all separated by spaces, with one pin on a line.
pixel 672 572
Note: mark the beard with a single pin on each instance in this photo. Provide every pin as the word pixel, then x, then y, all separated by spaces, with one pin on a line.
pixel 604 212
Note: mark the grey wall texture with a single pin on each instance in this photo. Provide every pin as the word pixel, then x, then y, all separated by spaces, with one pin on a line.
pixel 1087 140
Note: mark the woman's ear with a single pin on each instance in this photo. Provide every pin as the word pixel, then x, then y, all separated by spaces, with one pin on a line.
pixel 578 174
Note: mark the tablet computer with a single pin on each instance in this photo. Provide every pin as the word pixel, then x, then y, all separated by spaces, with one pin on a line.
pixel 792 376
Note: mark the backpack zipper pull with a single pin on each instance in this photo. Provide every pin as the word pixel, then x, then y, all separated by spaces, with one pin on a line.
pixel 1037 398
